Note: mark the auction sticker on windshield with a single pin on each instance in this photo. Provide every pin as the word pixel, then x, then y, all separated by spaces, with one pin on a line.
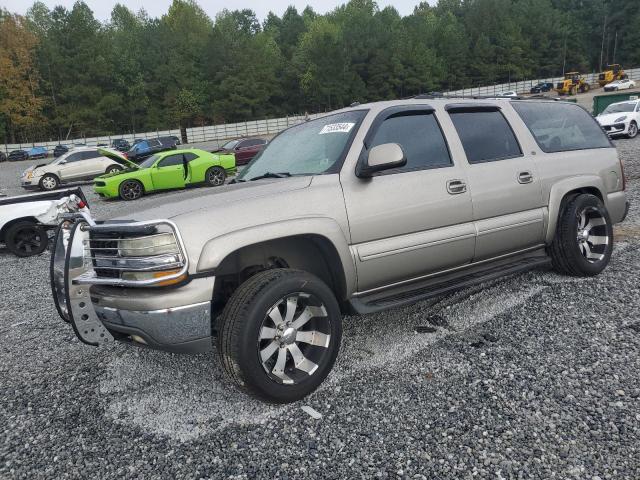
pixel 337 128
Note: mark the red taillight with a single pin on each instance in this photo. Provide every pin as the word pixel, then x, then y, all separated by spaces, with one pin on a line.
pixel 81 204
pixel 125 155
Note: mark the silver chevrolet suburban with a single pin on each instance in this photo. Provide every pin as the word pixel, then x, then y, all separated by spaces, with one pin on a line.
pixel 364 209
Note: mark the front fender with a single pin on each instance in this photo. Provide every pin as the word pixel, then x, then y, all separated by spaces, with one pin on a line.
pixel 217 249
pixel 560 189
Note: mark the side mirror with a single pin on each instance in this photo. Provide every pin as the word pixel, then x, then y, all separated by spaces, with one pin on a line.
pixel 381 157
pixel 62 162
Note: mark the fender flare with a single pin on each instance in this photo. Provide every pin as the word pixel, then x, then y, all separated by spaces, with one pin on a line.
pixel 560 189
pixel 217 249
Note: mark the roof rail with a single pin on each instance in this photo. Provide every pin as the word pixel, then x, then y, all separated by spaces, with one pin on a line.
pixel 436 95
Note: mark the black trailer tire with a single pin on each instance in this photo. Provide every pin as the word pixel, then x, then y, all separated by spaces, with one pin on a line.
pixel 583 241
pixel 26 238
pixel 288 312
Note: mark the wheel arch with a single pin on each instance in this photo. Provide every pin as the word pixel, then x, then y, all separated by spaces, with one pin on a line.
pixel 322 251
pixel 568 188
pixel 7 225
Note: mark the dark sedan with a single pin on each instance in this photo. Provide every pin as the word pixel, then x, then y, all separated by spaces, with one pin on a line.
pixel 121 145
pixel 542 87
pixel 146 148
pixel 60 150
pixel 17 155
pixel 244 149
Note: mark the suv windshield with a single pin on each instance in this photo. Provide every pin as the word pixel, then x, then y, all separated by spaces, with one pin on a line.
pixel 149 161
pixel 619 107
pixel 310 148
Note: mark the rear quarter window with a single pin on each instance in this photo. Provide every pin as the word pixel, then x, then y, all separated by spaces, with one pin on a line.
pixel 561 126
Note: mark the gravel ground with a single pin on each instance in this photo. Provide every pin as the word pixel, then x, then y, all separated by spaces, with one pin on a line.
pixel 535 376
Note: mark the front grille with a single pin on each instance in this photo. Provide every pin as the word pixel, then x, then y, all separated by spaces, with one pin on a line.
pixel 102 246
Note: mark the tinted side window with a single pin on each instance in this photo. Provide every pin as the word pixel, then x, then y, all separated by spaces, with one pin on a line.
pixel 170 160
pixel 74 157
pixel 485 135
pixel 243 144
pixel 561 126
pixel 154 143
pixel 90 154
pixel 190 156
pixel 419 135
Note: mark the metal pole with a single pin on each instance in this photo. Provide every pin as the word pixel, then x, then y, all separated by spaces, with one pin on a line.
pixel 604 29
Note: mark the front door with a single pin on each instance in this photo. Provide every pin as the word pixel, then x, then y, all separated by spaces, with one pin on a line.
pixel 504 184
pixel 169 172
pixel 414 220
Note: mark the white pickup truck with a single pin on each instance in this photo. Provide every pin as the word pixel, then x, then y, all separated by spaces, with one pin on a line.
pixel 25 220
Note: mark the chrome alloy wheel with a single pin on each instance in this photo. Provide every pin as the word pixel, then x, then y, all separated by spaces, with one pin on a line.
pixel 592 236
pixel 294 338
pixel 131 190
pixel 633 130
pixel 216 177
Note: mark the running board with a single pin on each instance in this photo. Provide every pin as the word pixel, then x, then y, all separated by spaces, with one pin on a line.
pixel 415 292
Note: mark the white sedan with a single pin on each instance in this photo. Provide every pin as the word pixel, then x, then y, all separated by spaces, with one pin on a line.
pixel 623 84
pixel 622 118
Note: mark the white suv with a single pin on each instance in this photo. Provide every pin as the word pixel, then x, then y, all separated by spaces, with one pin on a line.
pixel 621 118
pixel 78 164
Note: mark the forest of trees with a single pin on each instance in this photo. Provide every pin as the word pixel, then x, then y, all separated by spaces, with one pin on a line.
pixel 64 73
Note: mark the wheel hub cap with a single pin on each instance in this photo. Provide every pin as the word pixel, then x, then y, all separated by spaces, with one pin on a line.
pixel 294 338
pixel 592 234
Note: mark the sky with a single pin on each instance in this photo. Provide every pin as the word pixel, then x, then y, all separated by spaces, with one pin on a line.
pixel 155 8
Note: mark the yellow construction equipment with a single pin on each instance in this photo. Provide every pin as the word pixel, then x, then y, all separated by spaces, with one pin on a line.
pixel 613 72
pixel 572 84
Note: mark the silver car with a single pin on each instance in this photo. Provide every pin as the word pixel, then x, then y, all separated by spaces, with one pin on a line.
pixel 78 164
pixel 361 210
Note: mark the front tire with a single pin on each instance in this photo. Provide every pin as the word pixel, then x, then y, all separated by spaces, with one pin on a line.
pixel 583 242
pixel 215 176
pixel 25 239
pixel 279 335
pixel 49 182
pixel 130 190
pixel 633 130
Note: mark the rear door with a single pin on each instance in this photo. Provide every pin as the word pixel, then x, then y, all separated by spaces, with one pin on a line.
pixel 72 168
pixel 94 163
pixel 169 172
pixel 504 184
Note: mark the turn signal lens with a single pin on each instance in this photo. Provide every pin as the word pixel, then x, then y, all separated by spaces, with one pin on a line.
pixel 155 276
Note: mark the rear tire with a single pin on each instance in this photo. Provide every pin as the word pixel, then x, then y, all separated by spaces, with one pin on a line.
pixel 215 176
pixel 583 242
pixel 112 169
pixel 130 190
pixel 279 335
pixel 25 239
pixel 49 182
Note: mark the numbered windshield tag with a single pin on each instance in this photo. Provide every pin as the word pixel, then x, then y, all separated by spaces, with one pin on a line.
pixel 337 128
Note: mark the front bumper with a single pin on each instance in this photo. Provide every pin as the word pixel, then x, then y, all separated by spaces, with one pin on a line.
pixel 616 129
pixel 176 319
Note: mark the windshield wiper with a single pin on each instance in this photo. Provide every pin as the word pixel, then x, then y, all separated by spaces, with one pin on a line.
pixel 271 175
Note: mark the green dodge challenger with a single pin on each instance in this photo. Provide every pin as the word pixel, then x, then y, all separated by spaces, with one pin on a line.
pixel 163 171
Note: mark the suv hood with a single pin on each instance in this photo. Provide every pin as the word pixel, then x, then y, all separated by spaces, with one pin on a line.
pixel 219 197
pixel 117 156
pixel 610 118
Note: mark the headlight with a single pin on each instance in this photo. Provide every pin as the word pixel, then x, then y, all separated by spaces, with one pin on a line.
pixel 621 119
pixel 159 244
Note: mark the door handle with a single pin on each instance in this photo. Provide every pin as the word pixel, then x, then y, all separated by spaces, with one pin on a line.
pixel 455 187
pixel 525 177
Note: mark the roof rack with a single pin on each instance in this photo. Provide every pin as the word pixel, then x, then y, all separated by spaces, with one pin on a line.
pixel 437 95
